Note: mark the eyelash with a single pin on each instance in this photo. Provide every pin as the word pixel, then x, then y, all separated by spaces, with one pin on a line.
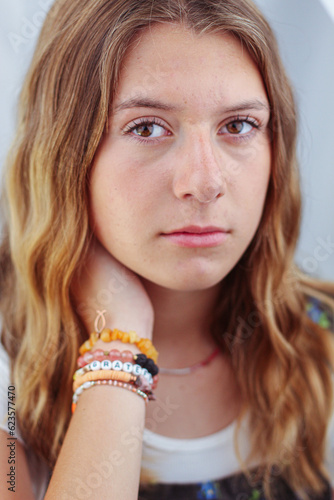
pixel 142 122
pixel 243 119
pixel 155 121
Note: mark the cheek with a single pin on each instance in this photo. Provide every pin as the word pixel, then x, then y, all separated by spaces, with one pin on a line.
pixel 122 199
pixel 249 186
pixel 260 168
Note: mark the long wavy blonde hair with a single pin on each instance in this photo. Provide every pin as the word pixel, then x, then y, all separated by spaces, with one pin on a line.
pixel 284 362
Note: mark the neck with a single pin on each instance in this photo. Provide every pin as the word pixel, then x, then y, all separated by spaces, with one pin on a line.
pixel 182 321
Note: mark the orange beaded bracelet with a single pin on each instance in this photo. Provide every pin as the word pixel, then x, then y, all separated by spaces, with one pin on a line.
pixel 103 375
pixel 107 335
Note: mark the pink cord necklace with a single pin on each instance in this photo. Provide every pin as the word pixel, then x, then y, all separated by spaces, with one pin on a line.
pixel 189 369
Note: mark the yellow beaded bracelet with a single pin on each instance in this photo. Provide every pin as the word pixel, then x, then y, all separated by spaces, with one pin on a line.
pixel 107 335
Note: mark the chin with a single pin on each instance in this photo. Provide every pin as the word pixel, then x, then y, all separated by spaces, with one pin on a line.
pixel 188 280
pixel 192 287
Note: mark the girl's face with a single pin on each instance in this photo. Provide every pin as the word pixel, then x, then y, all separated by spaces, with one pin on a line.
pixel 187 145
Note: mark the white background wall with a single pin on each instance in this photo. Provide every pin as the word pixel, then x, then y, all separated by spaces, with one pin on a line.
pixel 305 30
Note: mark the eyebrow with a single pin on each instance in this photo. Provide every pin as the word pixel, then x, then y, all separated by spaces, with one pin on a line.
pixel 138 102
pixel 147 102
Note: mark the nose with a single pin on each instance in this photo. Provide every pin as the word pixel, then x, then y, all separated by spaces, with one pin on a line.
pixel 198 173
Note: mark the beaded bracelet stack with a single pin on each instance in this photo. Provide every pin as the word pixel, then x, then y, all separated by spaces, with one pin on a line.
pixel 107 335
pixel 135 372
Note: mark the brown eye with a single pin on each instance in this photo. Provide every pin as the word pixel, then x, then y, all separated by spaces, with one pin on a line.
pixel 235 127
pixel 145 130
pixel 239 127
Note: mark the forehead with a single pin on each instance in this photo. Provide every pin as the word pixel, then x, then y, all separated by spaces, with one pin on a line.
pixel 172 61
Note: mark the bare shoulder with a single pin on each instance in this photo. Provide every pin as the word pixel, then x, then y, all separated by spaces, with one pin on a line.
pixel 15 483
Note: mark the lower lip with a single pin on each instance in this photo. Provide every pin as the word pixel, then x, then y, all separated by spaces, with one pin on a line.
pixel 197 240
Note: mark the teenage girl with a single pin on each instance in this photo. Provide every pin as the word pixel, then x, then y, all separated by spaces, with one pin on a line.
pixel 152 206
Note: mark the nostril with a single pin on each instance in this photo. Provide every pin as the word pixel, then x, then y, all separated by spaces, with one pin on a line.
pixel 209 194
pixel 199 176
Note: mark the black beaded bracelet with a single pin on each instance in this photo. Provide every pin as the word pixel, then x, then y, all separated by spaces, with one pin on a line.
pixel 145 362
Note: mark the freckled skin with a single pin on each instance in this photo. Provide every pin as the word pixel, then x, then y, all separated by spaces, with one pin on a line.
pixel 190 172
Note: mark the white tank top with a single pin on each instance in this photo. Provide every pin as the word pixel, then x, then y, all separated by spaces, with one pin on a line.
pixel 169 460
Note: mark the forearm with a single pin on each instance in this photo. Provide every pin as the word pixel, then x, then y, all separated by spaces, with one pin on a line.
pixel 101 454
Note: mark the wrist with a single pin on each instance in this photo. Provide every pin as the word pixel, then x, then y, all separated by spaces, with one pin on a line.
pixel 144 329
pixel 107 335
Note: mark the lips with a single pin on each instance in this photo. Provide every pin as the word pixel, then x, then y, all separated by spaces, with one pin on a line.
pixel 198 230
pixel 197 236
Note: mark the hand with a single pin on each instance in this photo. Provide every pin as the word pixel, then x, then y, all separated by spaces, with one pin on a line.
pixel 103 283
